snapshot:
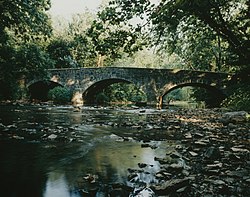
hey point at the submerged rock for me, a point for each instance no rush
(142, 192)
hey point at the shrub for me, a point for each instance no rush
(60, 95)
(239, 99)
(102, 98)
(122, 92)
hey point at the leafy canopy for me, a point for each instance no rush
(222, 25)
(26, 18)
(24, 28)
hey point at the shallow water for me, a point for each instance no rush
(33, 167)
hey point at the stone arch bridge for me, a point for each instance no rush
(156, 83)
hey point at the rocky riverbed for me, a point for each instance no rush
(212, 157)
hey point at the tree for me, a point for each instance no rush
(24, 29)
(70, 46)
(32, 60)
(83, 50)
(224, 23)
(60, 51)
(28, 19)
(112, 37)
(228, 19)
(89, 40)
(207, 35)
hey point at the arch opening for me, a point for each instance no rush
(194, 95)
(39, 90)
(112, 91)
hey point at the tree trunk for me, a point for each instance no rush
(100, 60)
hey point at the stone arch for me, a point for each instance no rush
(217, 93)
(38, 90)
(90, 93)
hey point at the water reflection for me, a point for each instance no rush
(46, 169)
(22, 170)
(57, 186)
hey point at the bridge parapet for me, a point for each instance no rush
(154, 82)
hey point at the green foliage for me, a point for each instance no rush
(112, 41)
(102, 98)
(70, 46)
(137, 96)
(90, 40)
(122, 92)
(111, 36)
(24, 28)
(227, 19)
(239, 91)
(32, 60)
(83, 51)
(28, 20)
(19, 64)
(211, 99)
(180, 94)
(60, 95)
(198, 46)
(60, 51)
(207, 35)
(239, 99)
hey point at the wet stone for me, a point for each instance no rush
(192, 153)
(201, 143)
(142, 165)
(210, 156)
(198, 135)
(52, 137)
(171, 186)
(17, 137)
(212, 153)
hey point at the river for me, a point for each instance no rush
(58, 151)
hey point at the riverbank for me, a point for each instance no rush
(211, 156)
(212, 159)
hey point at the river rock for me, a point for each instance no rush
(218, 182)
(2, 126)
(188, 135)
(170, 186)
(193, 154)
(163, 174)
(234, 117)
(17, 137)
(142, 165)
(142, 192)
(133, 177)
(175, 167)
(239, 149)
(212, 153)
(161, 160)
(52, 137)
(91, 178)
(198, 135)
(12, 126)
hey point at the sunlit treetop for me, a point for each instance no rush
(28, 17)
(228, 19)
